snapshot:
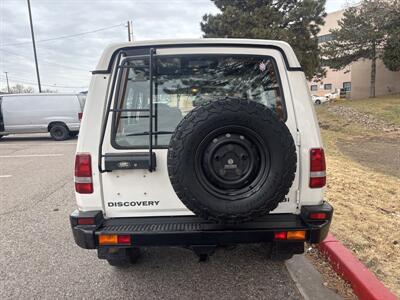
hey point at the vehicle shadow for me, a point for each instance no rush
(240, 273)
(32, 138)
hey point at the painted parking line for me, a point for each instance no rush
(36, 144)
(5, 176)
(30, 155)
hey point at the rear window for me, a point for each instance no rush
(181, 83)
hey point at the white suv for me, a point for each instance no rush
(232, 153)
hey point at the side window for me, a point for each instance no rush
(181, 83)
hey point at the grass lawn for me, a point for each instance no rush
(363, 184)
(386, 108)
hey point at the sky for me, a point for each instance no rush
(65, 61)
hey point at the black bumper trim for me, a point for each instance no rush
(84, 234)
(188, 230)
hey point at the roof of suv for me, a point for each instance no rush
(287, 52)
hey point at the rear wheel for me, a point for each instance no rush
(73, 133)
(277, 251)
(124, 261)
(59, 132)
(317, 101)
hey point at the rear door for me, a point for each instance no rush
(66, 109)
(181, 76)
(57, 108)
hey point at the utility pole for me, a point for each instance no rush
(130, 31)
(34, 46)
(8, 85)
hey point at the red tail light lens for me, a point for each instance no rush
(317, 182)
(280, 235)
(317, 168)
(318, 216)
(124, 239)
(86, 221)
(83, 174)
(80, 116)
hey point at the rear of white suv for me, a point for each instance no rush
(199, 143)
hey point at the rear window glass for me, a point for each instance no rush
(181, 83)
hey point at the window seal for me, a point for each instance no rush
(142, 50)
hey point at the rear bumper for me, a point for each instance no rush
(74, 126)
(189, 231)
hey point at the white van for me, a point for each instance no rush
(58, 114)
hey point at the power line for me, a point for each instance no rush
(47, 62)
(27, 81)
(65, 36)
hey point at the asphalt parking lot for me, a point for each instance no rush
(39, 259)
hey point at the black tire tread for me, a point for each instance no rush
(66, 132)
(133, 255)
(178, 144)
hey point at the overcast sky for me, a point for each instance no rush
(65, 63)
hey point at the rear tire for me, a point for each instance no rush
(59, 132)
(231, 160)
(318, 102)
(131, 257)
(73, 133)
(277, 251)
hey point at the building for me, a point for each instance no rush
(355, 78)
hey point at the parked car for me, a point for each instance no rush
(58, 114)
(319, 99)
(334, 95)
(243, 164)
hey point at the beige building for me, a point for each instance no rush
(354, 79)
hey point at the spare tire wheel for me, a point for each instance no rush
(231, 160)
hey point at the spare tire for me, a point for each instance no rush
(231, 160)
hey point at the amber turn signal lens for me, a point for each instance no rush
(108, 239)
(296, 235)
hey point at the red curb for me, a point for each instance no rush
(364, 283)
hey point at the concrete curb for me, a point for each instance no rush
(363, 282)
(308, 280)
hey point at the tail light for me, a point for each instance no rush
(290, 235)
(318, 216)
(86, 221)
(282, 235)
(113, 239)
(83, 173)
(80, 116)
(317, 168)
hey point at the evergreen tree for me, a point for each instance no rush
(362, 34)
(391, 53)
(296, 22)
